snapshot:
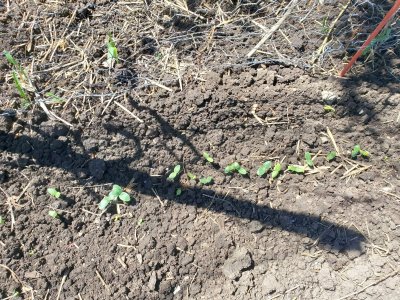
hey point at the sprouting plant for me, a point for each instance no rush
(208, 157)
(174, 173)
(53, 214)
(308, 159)
(296, 169)
(2, 221)
(53, 99)
(191, 176)
(355, 151)
(331, 156)
(178, 192)
(324, 25)
(115, 194)
(112, 54)
(206, 180)
(382, 37)
(277, 169)
(264, 168)
(328, 108)
(20, 78)
(53, 192)
(235, 167)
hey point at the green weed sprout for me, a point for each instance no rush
(53, 214)
(19, 76)
(328, 108)
(2, 221)
(275, 172)
(331, 156)
(296, 169)
(53, 192)
(206, 180)
(208, 157)
(308, 159)
(53, 99)
(264, 168)
(115, 194)
(112, 54)
(382, 37)
(174, 173)
(235, 167)
(178, 192)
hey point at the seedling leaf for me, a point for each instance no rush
(112, 50)
(331, 156)
(21, 91)
(355, 151)
(53, 214)
(191, 176)
(276, 171)
(208, 157)
(242, 171)
(178, 192)
(2, 221)
(264, 168)
(175, 173)
(177, 169)
(328, 108)
(116, 191)
(10, 59)
(296, 169)
(54, 98)
(105, 202)
(364, 153)
(53, 192)
(206, 180)
(309, 161)
(124, 197)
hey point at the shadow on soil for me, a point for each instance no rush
(118, 172)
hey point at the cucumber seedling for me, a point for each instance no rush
(112, 53)
(296, 169)
(175, 173)
(206, 180)
(115, 194)
(208, 157)
(54, 193)
(235, 167)
(264, 168)
(309, 161)
(276, 171)
(331, 156)
(53, 214)
(358, 151)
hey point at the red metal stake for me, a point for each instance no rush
(385, 20)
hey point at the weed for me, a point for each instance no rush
(53, 214)
(2, 220)
(174, 173)
(264, 168)
(191, 176)
(208, 157)
(296, 169)
(178, 192)
(382, 37)
(53, 98)
(206, 180)
(328, 108)
(112, 54)
(235, 167)
(276, 171)
(53, 192)
(115, 194)
(308, 159)
(331, 156)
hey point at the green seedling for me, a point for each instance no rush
(235, 167)
(208, 157)
(178, 192)
(355, 151)
(2, 221)
(382, 37)
(364, 153)
(275, 172)
(206, 180)
(53, 214)
(191, 176)
(112, 54)
(264, 168)
(19, 77)
(328, 108)
(115, 194)
(331, 156)
(296, 169)
(174, 173)
(53, 99)
(53, 192)
(308, 159)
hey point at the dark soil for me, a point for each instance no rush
(320, 235)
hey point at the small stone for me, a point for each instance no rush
(237, 263)
(152, 284)
(270, 285)
(255, 226)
